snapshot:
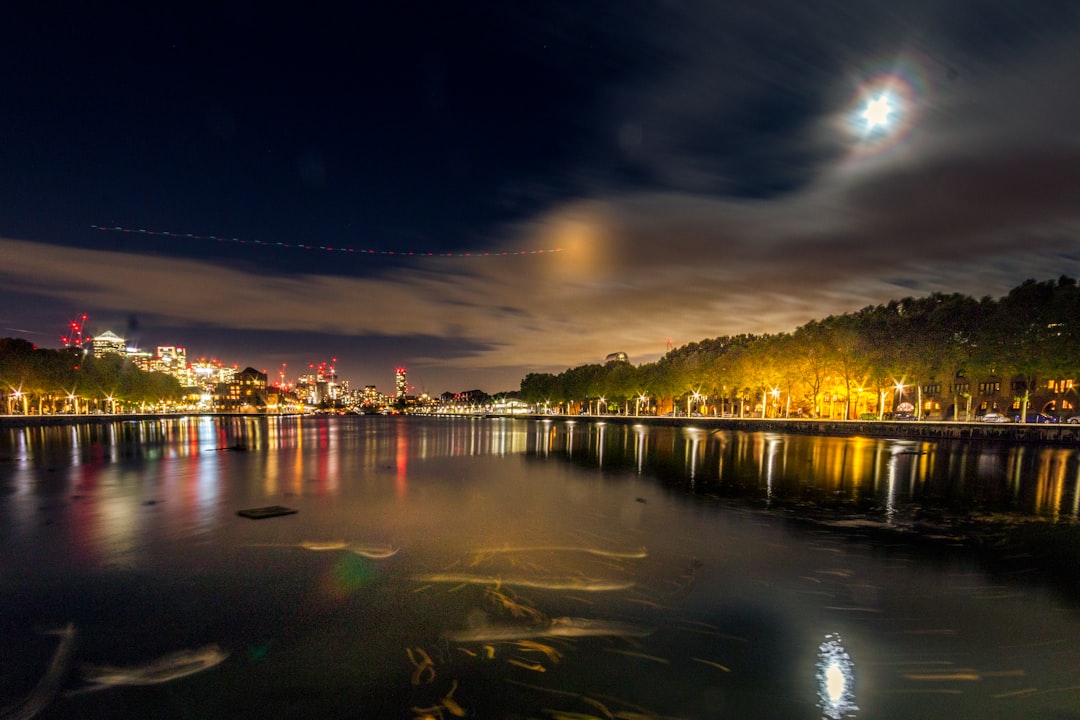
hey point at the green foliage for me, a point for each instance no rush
(55, 378)
(1030, 335)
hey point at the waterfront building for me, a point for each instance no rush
(246, 392)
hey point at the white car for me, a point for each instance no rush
(993, 417)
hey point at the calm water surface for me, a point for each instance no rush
(528, 569)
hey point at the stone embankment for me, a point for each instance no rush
(1042, 433)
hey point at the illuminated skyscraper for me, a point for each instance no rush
(401, 383)
(108, 343)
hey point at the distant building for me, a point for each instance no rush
(246, 392)
(401, 384)
(109, 343)
(616, 357)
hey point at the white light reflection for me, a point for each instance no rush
(692, 452)
(836, 680)
(601, 428)
(772, 446)
(639, 447)
(890, 484)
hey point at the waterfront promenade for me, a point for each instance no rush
(1045, 433)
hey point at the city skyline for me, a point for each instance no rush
(344, 182)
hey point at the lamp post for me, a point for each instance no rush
(696, 397)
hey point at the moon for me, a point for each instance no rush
(878, 112)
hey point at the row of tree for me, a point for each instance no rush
(941, 353)
(66, 380)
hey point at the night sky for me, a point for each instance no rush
(704, 168)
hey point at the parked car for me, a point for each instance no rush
(1036, 418)
(904, 416)
(1074, 419)
(993, 417)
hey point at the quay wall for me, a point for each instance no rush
(1041, 433)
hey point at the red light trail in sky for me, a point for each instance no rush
(325, 248)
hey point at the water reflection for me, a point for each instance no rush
(836, 680)
(894, 480)
(519, 568)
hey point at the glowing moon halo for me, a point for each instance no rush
(883, 112)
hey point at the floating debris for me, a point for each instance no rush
(376, 552)
(558, 627)
(49, 685)
(633, 555)
(165, 669)
(567, 583)
(269, 511)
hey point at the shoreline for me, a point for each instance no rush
(1061, 434)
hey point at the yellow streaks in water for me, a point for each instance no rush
(725, 668)
(423, 668)
(564, 583)
(630, 555)
(944, 677)
(446, 703)
(533, 646)
(508, 601)
(321, 545)
(375, 552)
(1015, 693)
(535, 667)
(630, 653)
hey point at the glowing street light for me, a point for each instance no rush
(695, 398)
